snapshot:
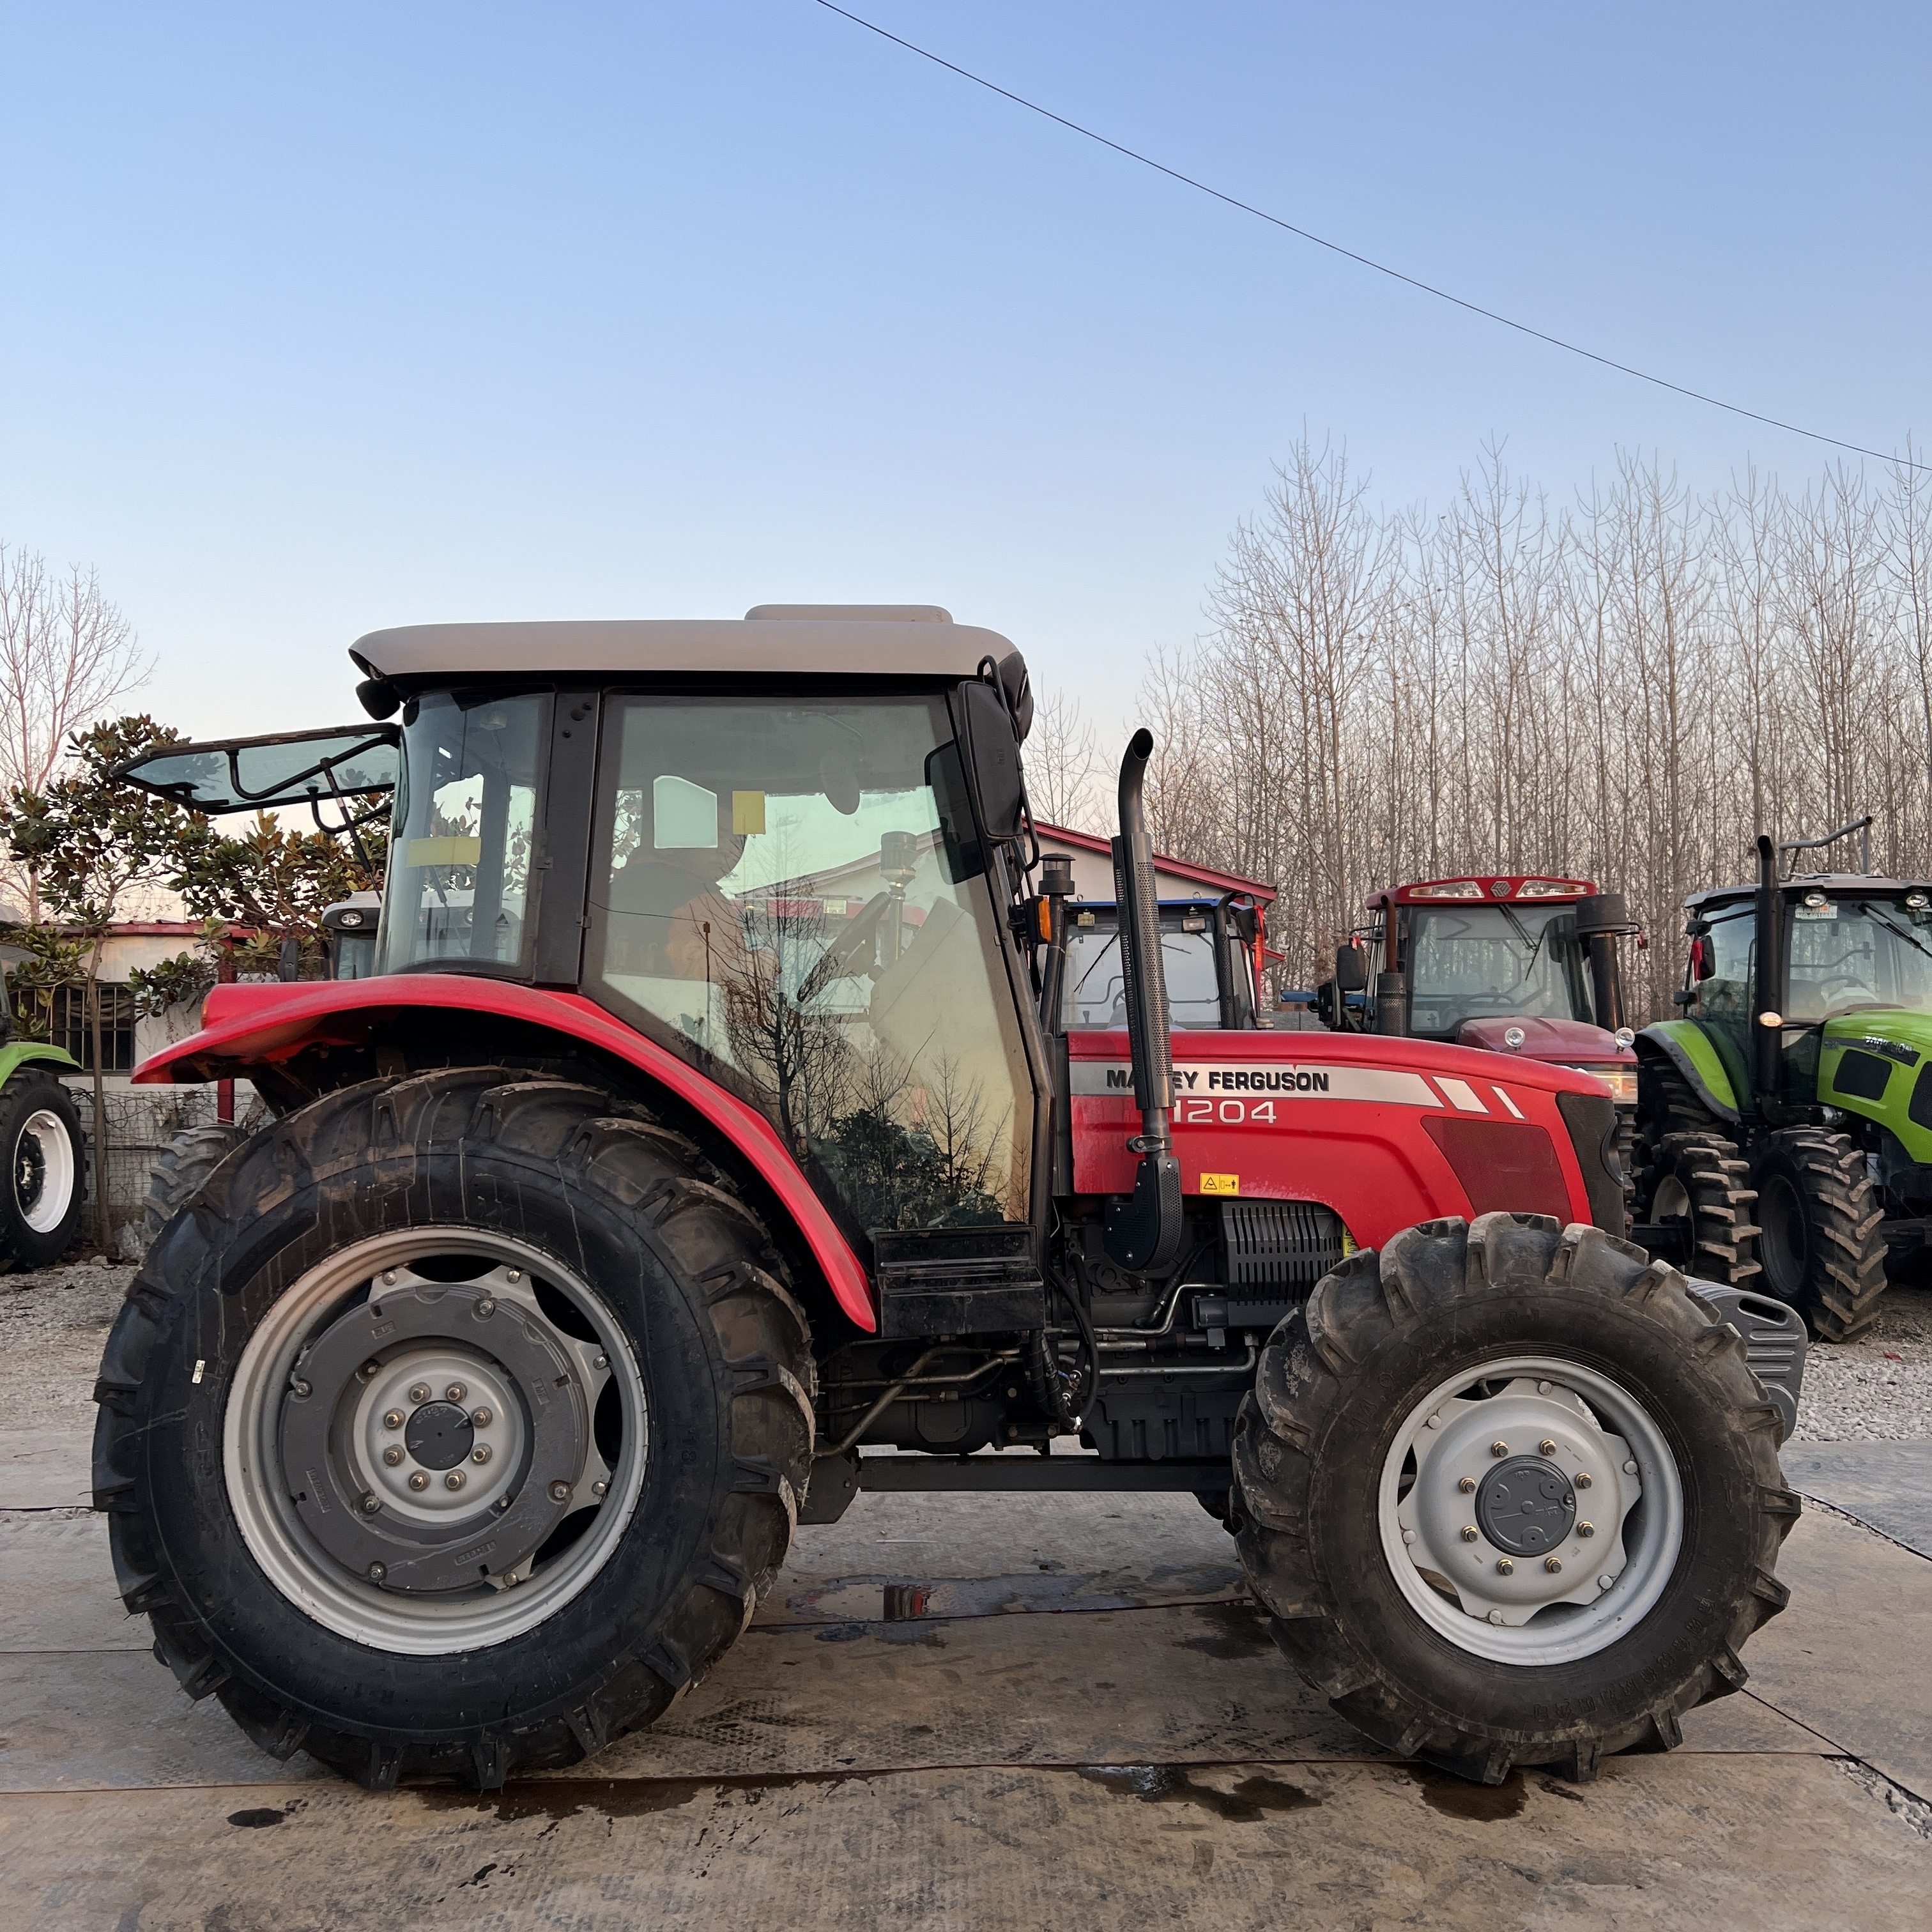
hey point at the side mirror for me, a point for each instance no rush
(1351, 970)
(992, 761)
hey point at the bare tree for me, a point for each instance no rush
(66, 655)
(1062, 765)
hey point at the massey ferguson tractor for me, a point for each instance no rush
(708, 1122)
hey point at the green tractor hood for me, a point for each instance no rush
(1879, 1063)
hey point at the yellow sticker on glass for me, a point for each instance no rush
(443, 852)
(747, 813)
(1220, 1183)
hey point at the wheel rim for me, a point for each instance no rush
(1672, 1201)
(1530, 1587)
(1783, 1244)
(43, 1170)
(435, 1440)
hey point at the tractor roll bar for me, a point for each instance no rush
(1144, 1229)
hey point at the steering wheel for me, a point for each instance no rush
(841, 958)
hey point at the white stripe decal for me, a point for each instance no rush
(1502, 1094)
(1463, 1094)
(1265, 1080)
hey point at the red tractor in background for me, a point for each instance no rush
(707, 1144)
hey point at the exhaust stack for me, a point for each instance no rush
(1144, 1229)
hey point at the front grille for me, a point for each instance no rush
(1270, 1245)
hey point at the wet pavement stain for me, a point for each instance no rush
(1249, 1801)
(258, 1817)
(1232, 1632)
(1475, 1804)
(560, 1798)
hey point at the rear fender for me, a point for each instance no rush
(1691, 1049)
(260, 1031)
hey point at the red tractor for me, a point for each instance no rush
(708, 1120)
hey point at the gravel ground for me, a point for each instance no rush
(1879, 1388)
(53, 1324)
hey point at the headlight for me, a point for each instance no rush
(1622, 1080)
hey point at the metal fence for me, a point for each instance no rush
(139, 1125)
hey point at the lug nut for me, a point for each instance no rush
(502, 1502)
(368, 1368)
(420, 1393)
(1630, 1467)
(1504, 1567)
(1545, 1447)
(600, 1362)
(1543, 1388)
(1586, 1529)
(560, 1492)
(301, 1387)
(377, 1571)
(1468, 1532)
(418, 1481)
(486, 1308)
(1499, 1448)
(483, 1418)
(394, 1419)
(1467, 1486)
(393, 1454)
(480, 1453)
(370, 1504)
(1552, 1563)
(599, 1488)
(1434, 1422)
(454, 1481)
(513, 1274)
(1495, 1616)
(1584, 1481)
(1604, 1582)
(389, 1277)
(456, 1391)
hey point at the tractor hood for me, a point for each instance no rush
(1875, 1062)
(1567, 1042)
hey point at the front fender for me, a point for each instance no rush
(1689, 1048)
(19, 1053)
(262, 1025)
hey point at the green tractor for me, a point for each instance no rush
(1797, 1088)
(45, 1188)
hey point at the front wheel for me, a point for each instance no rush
(45, 1190)
(456, 1430)
(1511, 1495)
(1822, 1243)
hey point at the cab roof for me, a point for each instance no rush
(820, 640)
(1840, 882)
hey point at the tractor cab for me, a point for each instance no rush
(1512, 964)
(1209, 947)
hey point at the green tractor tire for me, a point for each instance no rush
(1822, 1241)
(45, 1188)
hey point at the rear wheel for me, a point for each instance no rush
(514, 1411)
(46, 1169)
(1823, 1243)
(1512, 1496)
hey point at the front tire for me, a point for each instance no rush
(1822, 1230)
(45, 1188)
(1699, 1184)
(1413, 1469)
(456, 1430)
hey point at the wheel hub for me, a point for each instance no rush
(1526, 1506)
(441, 1433)
(1506, 1499)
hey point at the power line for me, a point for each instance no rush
(1366, 261)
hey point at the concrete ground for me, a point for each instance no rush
(1088, 1725)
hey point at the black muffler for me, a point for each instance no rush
(1143, 1228)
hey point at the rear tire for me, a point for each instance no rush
(1822, 1243)
(1491, 1669)
(454, 1198)
(46, 1186)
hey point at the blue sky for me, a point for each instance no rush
(315, 319)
